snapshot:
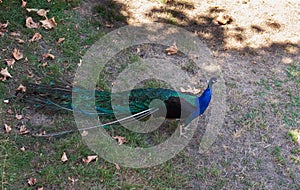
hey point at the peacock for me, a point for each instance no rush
(178, 105)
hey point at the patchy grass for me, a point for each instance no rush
(42, 157)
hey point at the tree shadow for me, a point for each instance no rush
(215, 35)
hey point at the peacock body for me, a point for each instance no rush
(178, 105)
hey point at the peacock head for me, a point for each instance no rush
(211, 81)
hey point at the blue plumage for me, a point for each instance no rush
(202, 102)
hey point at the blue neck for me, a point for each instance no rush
(201, 104)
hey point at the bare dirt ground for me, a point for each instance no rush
(254, 51)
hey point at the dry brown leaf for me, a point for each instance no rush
(43, 13)
(23, 4)
(60, 40)
(23, 148)
(5, 74)
(172, 49)
(72, 180)
(40, 188)
(117, 166)
(20, 41)
(21, 88)
(7, 128)
(30, 23)
(84, 133)
(18, 117)
(121, 140)
(31, 181)
(64, 157)
(189, 89)
(89, 159)
(36, 37)
(15, 34)
(30, 74)
(17, 54)
(109, 25)
(9, 111)
(48, 55)
(0, 1)
(222, 19)
(44, 64)
(48, 23)
(23, 130)
(10, 62)
(3, 26)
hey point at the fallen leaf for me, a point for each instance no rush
(5, 74)
(10, 62)
(21, 88)
(20, 41)
(60, 40)
(121, 140)
(17, 54)
(172, 49)
(6, 101)
(40, 188)
(3, 26)
(48, 23)
(89, 159)
(23, 148)
(36, 37)
(30, 74)
(9, 111)
(31, 181)
(30, 23)
(109, 25)
(7, 128)
(72, 180)
(44, 64)
(18, 117)
(287, 60)
(222, 19)
(48, 55)
(117, 166)
(84, 133)
(190, 90)
(64, 157)
(23, 130)
(43, 13)
(15, 34)
(23, 4)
